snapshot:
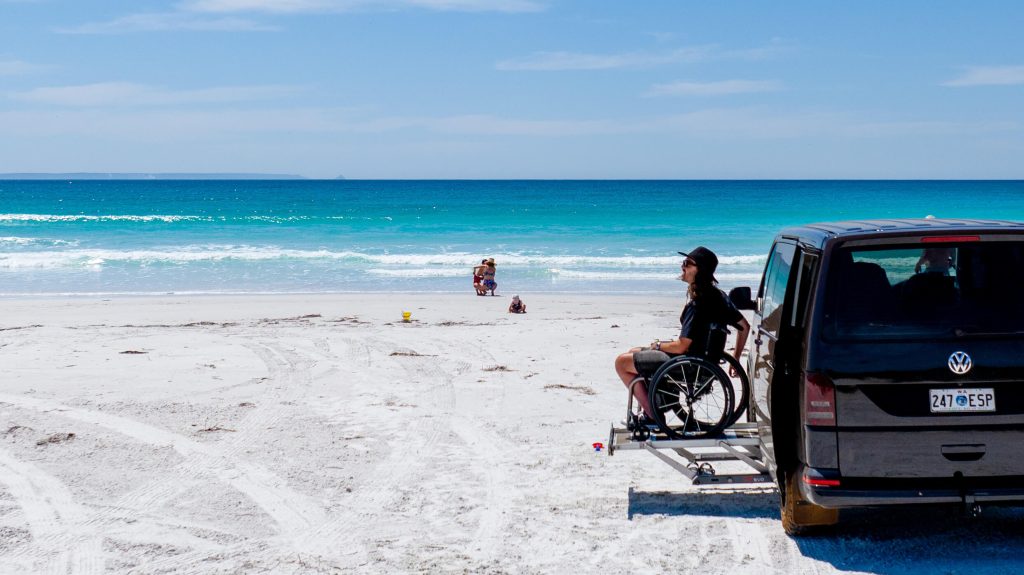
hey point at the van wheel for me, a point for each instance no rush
(800, 516)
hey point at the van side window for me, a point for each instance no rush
(805, 278)
(776, 280)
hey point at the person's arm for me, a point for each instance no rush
(741, 339)
(675, 347)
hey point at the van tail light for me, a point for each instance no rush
(819, 400)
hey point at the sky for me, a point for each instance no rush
(509, 89)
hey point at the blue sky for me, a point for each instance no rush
(514, 88)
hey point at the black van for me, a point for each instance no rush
(887, 366)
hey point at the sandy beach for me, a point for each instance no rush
(321, 434)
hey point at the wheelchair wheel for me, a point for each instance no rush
(691, 398)
(740, 386)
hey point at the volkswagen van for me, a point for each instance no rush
(887, 366)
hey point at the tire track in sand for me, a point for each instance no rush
(377, 488)
(288, 373)
(157, 493)
(292, 511)
(486, 449)
(56, 521)
(298, 545)
(342, 537)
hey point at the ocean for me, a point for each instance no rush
(321, 236)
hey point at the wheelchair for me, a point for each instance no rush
(693, 396)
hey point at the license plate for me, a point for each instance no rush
(962, 400)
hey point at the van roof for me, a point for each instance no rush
(819, 233)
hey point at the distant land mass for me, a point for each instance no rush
(145, 176)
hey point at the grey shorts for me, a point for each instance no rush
(648, 361)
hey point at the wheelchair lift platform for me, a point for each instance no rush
(736, 443)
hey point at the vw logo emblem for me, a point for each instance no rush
(960, 363)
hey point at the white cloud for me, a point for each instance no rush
(478, 5)
(129, 94)
(551, 61)
(211, 15)
(17, 67)
(725, 87)
(775, 48)
(321, 6)
(989, 76)
(271, 6)
(160, 22)
(662, 37)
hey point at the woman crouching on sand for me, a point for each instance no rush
(707, 306)
(489, 272)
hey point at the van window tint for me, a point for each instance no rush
(942, 290)
(805, 278)
(775, 287)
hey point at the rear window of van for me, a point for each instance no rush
(954, 290)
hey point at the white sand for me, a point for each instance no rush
(320, 434)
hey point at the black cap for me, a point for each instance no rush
(705, 260)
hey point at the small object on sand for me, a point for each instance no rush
(498, 368)
(56, 438)
(598, 446)
(406, 316)
(215, 428)
(133, 352)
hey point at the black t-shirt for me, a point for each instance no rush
(698, 316)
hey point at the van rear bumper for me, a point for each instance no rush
(875, 492)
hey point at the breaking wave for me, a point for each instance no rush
(28, 242)
(442, 264)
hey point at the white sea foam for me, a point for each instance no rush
(420, 272)
(438, 265)
(635, 275)
(557, 261)
(171, 218)
(19, 241)
(101, 218)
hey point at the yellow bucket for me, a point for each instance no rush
(406, 316)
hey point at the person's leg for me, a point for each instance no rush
(626, 370)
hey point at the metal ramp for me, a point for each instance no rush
(695, 456)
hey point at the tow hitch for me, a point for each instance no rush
(971, 507)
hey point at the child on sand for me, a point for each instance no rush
(478, 278)
(517, 305)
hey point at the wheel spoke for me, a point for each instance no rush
(681, 387)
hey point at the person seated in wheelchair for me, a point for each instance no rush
(707, 309)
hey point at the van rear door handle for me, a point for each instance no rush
(966, 452)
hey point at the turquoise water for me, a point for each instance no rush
(109, 236)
